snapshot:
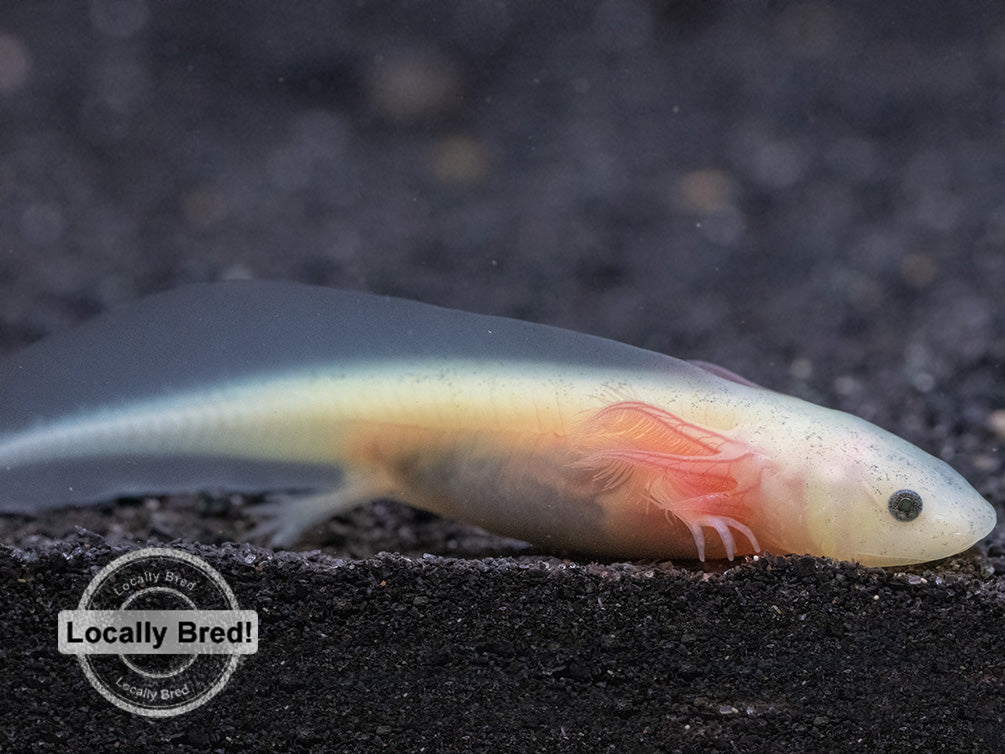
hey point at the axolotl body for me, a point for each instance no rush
(570, 441)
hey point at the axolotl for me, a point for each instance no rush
(573, 442)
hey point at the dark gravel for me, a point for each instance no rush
(808, 193)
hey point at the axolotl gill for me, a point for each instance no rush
(573, 442)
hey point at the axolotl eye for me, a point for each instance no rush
(905, 505)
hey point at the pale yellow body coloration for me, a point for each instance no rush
(572, 442)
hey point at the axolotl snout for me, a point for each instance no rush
(567, 440)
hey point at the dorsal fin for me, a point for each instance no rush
(726, 374)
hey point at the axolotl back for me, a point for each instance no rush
(573, 442)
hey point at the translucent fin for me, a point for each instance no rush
(286, 517)
(696, 475)
(726, 374)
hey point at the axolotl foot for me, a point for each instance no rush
(284, 518)
(722, 524)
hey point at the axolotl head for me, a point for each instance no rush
(872, 497)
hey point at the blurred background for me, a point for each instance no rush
(810, 193)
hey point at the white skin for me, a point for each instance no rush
(838, 492)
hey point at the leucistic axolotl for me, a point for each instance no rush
(576, 443)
